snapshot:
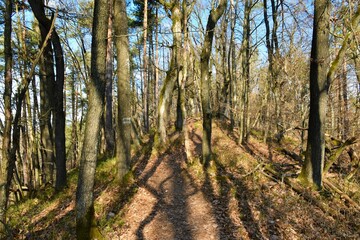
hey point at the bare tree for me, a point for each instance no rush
(124, 93)
(6, 158)
(214, 16)
(96, 96)
(319, 86)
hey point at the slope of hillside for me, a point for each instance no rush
(243, 194)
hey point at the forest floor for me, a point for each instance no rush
(172, 196)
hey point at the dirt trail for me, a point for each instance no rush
(233, 199)
(168, 205)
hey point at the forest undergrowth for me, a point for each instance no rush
(247, 192)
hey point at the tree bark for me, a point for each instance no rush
(214, 16)
(46, 108)
(145, 70)
(109, 130)
(74, 127)
(171, 75)
(182, 71)
(312, 169)
(156, 83)
(6, 137)
(96, 95)
(124, 92)
(37, 7)
(320, 79)
(245, 64)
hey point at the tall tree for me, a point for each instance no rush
(6, 141)
(245, 65)
(145, 69)
(108, 123)
(179, 12)
(320, 78)
(96, 95)
(311, 172)
(47, 81)
(38, 9)
(214, 16)
(124, 93)
(172, 74)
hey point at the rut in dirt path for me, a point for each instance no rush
(168, 204)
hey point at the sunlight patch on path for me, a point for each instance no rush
(168, 206)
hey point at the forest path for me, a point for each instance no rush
(234, 198)
(171, 199)
(168, 204)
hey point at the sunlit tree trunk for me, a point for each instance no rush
(156, 83)
(232, 66)
(171, 75)
(214, 16)
(320, 78)
(145, 69)
(36, 144)
(225, 89)
(74, 124)
(96, 97)
(245, 64)
(314, 160)
(182, 71)
(124, 93)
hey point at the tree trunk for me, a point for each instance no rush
(109, 130)
(36, 145)
(182, 73)
(145, 69)
(357, 67)
(245, 64)
(124, 93)
(6, 137)
(224, 95)
(171, 76)
(74, 112)
(47, 82)
(311, 172)
(320, 79)
(37, 7)
(96, 94)
(214, 16)
(345, 107)
(60, 148)
(156, 83)
(232, 67)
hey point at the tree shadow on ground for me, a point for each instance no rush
(58, 222)
(220, 202)
(139, 162)
(171, 197)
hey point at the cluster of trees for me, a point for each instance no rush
(246, 62)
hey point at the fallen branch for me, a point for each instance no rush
(291, 154)
(302, 192)
(338, 151)
(343, 195)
